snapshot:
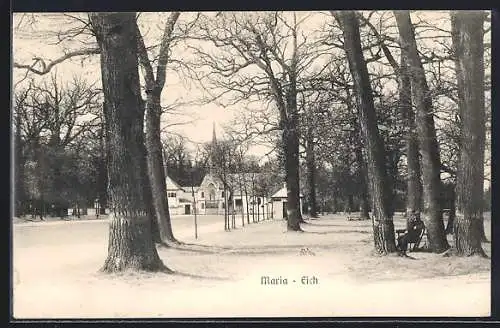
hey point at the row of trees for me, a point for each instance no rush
(377, 111)
(468, 54)
(299, 82)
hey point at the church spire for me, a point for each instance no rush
(213, 150)
(214, 136)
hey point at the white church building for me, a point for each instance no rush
(243, 196)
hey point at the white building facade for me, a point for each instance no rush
(210, 197)
(279, 201)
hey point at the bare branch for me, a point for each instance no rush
(46, 67)
(165, 48)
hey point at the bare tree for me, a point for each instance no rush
(311, 116)
(130, 238)
(154, 87)
(271, 47)
(468, 41)
(222, 155)
(432, 212)
(414, 184)
(383, 226)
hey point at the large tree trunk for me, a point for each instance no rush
(470, 176)
(432, 212)
(291, 145)
(290, 117)
(364, 206)
(131, 243)
(383, 226)
(156, 170)
(311, 177)
(392, 172)
(413, 180)
(455, 33)
(155, 163)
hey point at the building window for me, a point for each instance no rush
(222, 194)
(202, 194)
(211, 191)
(202, 206)
(171, 194)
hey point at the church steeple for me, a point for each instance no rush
(213, 149)
(214, 136)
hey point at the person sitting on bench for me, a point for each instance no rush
(415, 227)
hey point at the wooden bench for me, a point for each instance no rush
(413, 243)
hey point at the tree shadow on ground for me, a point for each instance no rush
(337, 231)
(184, 244)
(254, 250)
(275, 249)
(326, 225)
(197, 276)
(195, 248)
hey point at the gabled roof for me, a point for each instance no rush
(282, 193)
(172, 185)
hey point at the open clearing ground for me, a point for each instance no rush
(56, 274)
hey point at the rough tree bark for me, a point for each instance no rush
(286, 101)
(469, 49)
(383, 226)
(291, 147)
(455, 34)
(130, 238)
(156, 172)
(413, 182)
(364, 206)
(155, 162)
(432, 212)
